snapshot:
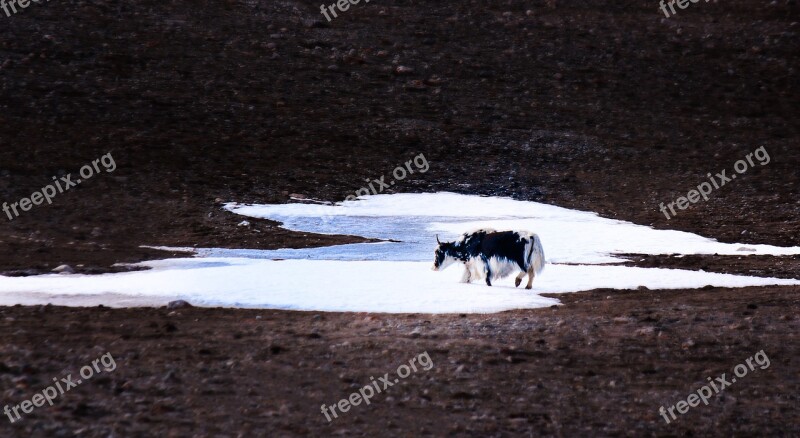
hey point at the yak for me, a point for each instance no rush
(491, 254)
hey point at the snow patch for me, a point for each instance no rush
(395, 275)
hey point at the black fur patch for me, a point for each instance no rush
(484, 245)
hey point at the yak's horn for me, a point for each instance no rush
(437, 239)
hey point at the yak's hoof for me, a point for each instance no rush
(528, 287)
(517, 282)
(488, 283)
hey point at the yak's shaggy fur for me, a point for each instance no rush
(491, 254)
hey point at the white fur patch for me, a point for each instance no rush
(534, 253)
(475, 268)
(447, 262)
(502, 267)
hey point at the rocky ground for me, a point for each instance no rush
(600, 365)
(601, 106)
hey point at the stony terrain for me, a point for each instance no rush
(602, 106)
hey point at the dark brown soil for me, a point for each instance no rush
(599, 106)
(602, 106)
(759, 266)
(601, 365)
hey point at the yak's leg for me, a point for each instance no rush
(488, 269)
(531, 275)
(467, 277)
(519, 279)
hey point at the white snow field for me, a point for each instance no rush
(395, 275)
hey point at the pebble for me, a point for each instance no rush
(64, 269)
(178, 304)
(645, 331)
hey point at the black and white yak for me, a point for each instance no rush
(491, 254)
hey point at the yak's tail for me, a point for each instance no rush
(535, 253)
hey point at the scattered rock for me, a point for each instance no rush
(433, 80)
(178, 304)
(64, 269)
(645, 331)
(22, 273)
(171, 377)
(416, 84)
(309, 23)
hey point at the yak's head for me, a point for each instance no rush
(444, 255)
